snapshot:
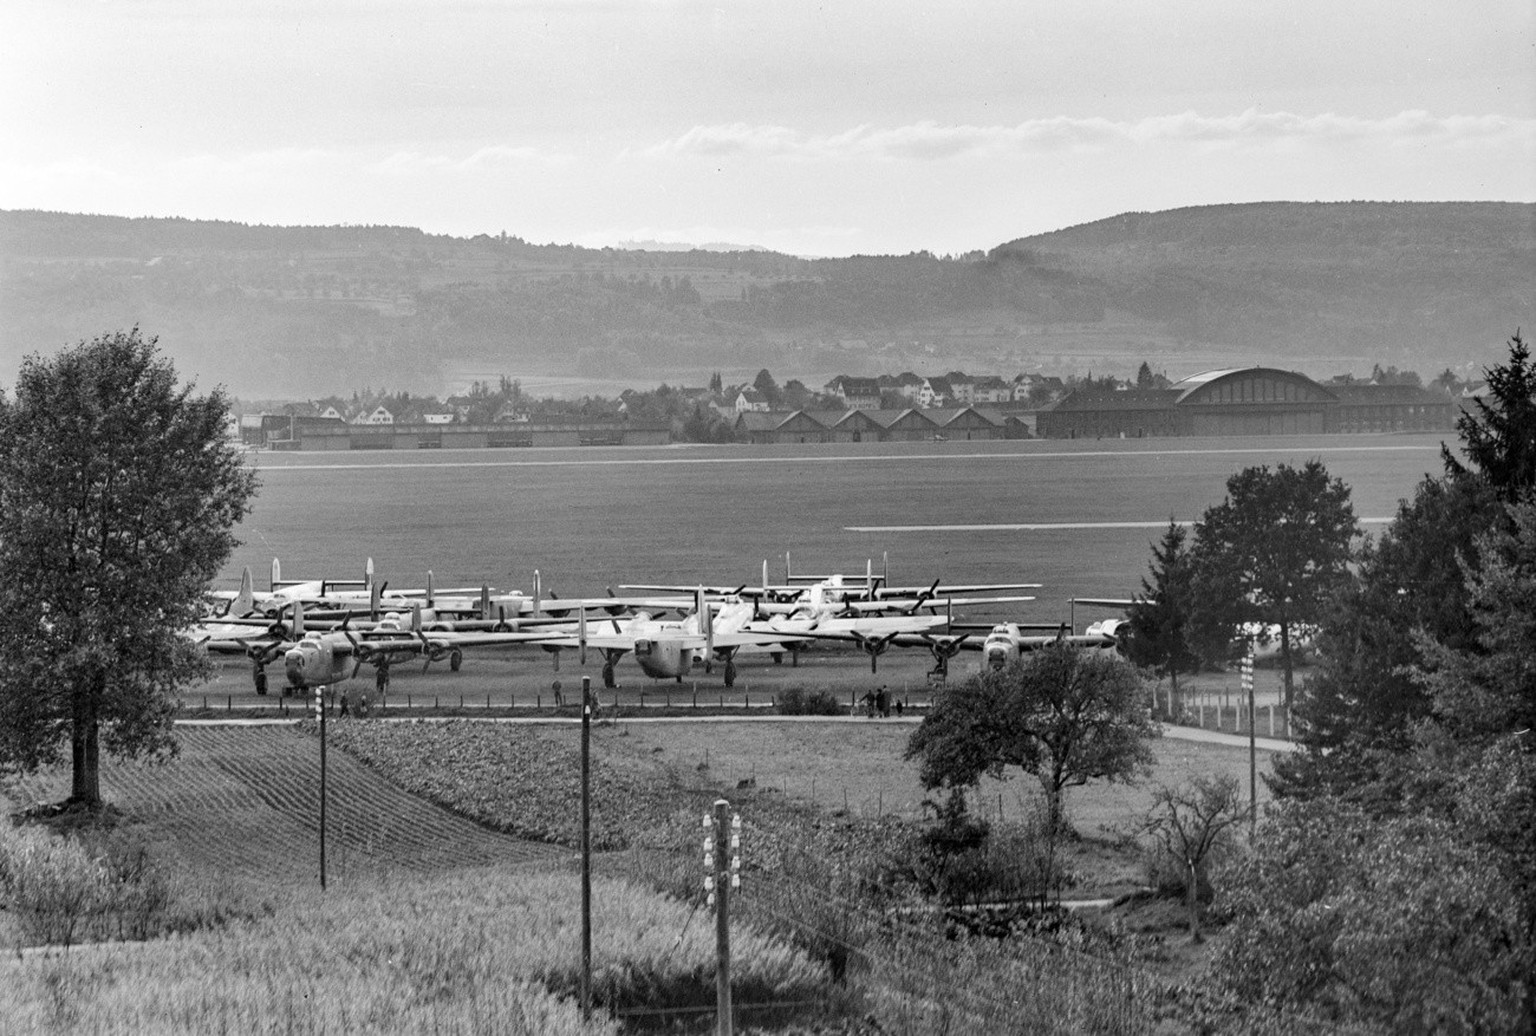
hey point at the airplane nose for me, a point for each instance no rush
(295, 662)
(996, 659)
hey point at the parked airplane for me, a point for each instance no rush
(867, 588)
(672, 648)
(1262, 640)
(316, 658)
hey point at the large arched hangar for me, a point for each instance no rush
(1252, 401)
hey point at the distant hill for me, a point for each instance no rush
(1427, 282)
(307, 311)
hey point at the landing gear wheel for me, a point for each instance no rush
(608, 680)
(730, 674)
(259, 675)
(455, 660)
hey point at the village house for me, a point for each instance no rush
(855, 393)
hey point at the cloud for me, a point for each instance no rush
(932, 141)
(487, 159)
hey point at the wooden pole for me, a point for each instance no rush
(320, 708)
(723, 850)
(586, 848)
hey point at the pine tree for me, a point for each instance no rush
(1499, 435)
(1162, 616)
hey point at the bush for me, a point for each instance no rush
(53, 884)
(797, 701)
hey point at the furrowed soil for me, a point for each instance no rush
(243, 802)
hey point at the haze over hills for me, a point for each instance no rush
(301, 312)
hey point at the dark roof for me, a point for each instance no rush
(1108, 399)
(1383, 394)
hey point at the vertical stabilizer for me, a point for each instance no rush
(368, 573)
(374, 593)
(245, 601)
(276, 576)
(430, 598)
(581, 634)
(485, 601)
(706, 623)
(538, 590)
(298, 620)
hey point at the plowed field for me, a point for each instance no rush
(245, 801)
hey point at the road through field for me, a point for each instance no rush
(1077, 516)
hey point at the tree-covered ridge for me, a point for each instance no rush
(1354, 272)
(1414, 284)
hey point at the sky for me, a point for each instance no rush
(831, 128)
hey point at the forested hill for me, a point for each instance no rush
(305, 311)
(1425, 279)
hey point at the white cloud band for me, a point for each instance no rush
(930, 140)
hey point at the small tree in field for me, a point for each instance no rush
(118, 494)
(1189, 822)
(1063, 714)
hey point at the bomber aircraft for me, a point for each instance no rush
(316, 658)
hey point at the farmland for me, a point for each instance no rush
(239, 806)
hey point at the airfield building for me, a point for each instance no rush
(1245, 401)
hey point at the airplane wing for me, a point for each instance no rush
(850, 628)
(954, 588)
(903, 604)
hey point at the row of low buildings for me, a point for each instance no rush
(1227, 402)
(315, 432)
(913, 424)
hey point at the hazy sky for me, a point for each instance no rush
(813, 128)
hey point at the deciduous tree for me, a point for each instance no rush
(1064, 715)
(118, 496)
(1189, 822)
(1275, 551)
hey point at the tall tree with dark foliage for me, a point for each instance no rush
(1274, 552)
(118, 496)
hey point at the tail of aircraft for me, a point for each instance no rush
(276, 577)
(245, 601)
(706, 624)
(537, 592)
(581, 633)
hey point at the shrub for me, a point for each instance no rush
(797, 701)
(53, 884)
(822, 703)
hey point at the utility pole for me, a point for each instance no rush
(586, 848)
(722, 862)
(320, 714)
(1253, 765)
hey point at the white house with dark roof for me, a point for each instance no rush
(856, 393)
